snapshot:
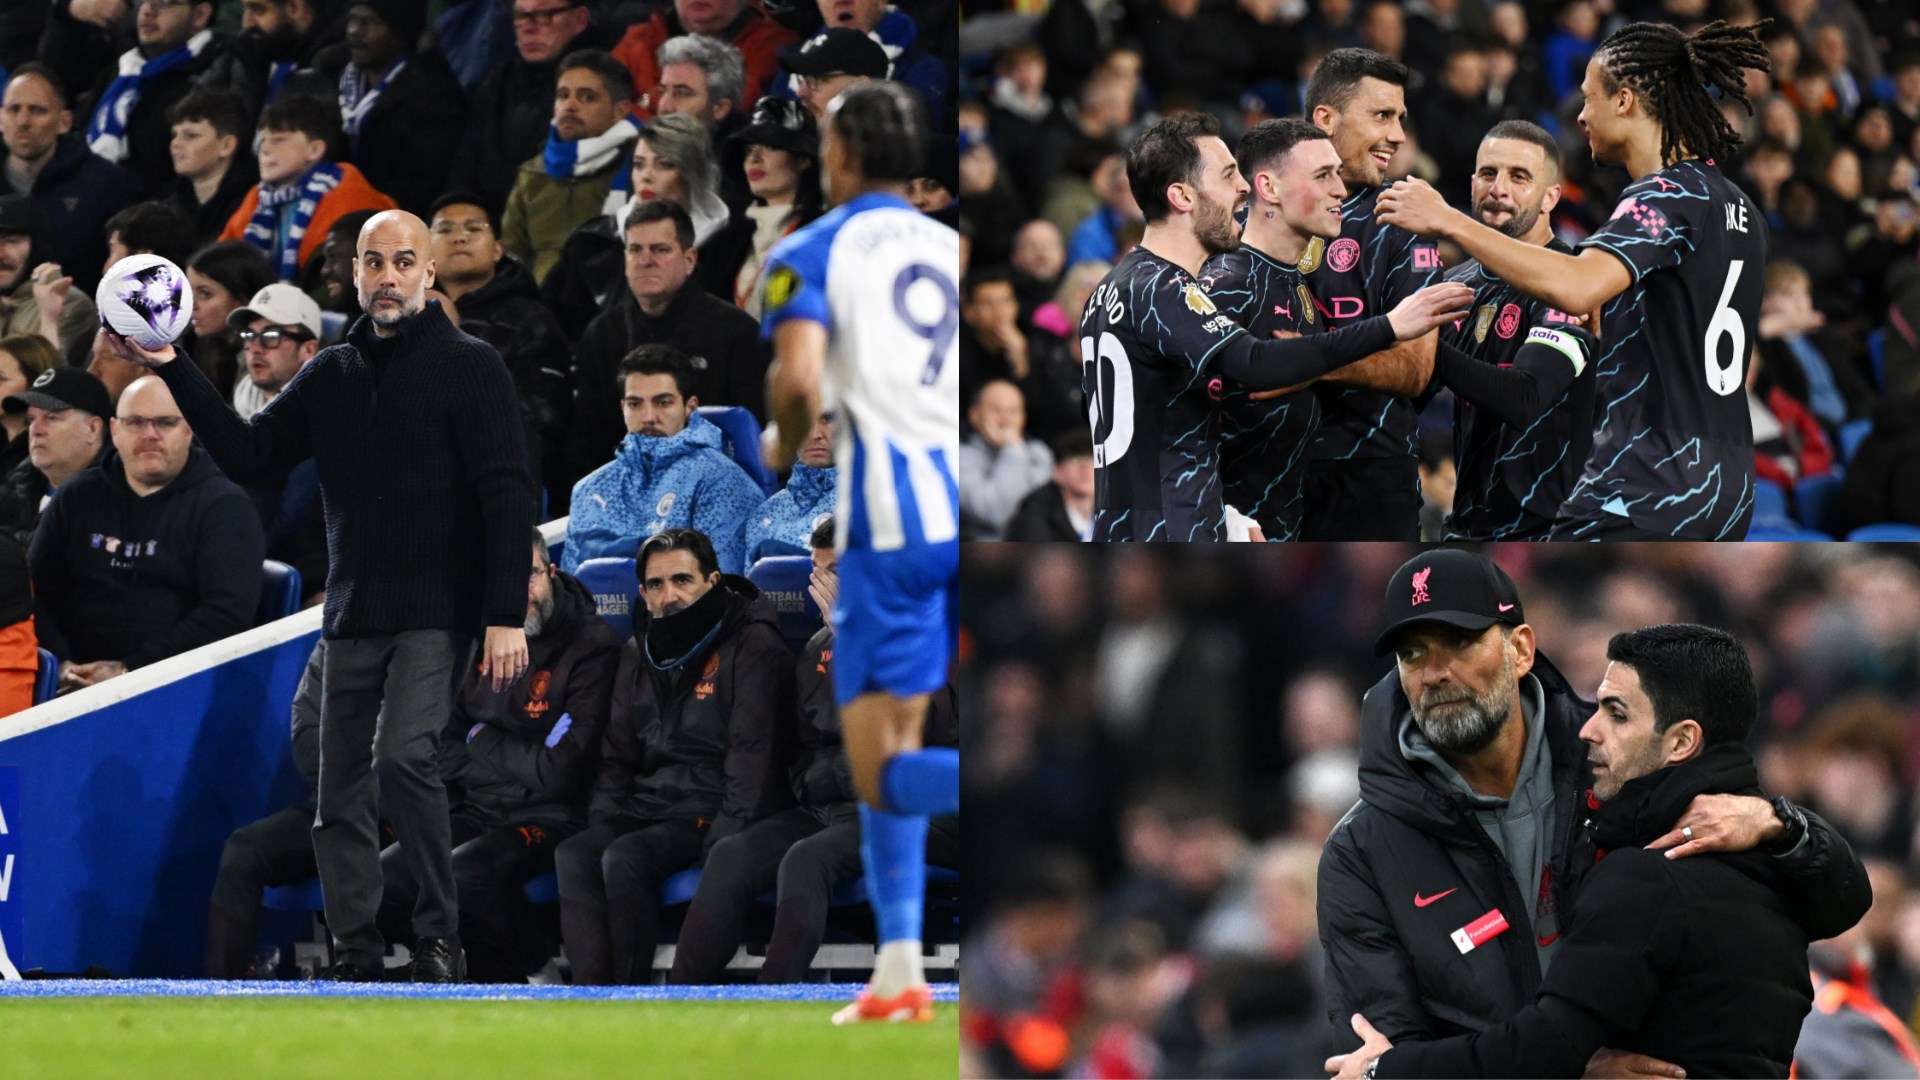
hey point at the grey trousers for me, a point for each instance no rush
(386, 699)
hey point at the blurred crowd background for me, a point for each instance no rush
(1052, 90)
(1156, 745)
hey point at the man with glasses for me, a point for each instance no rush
(150, 554)
(830, 62)
(279, 332)
(508, 116)
(897, 33)
(174, 43)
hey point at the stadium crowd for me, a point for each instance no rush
(1051, 94)
(601, 184)
(1157, 746)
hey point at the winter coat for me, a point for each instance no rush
(210, 218)
(527, 754)
(408, 139)
(149, 131)
(758, 38)
(1700, 961)
(660, 482)
(912, 65)
(1879, 483)
(1393, 959)
(352, 193)
(507, 313)
(787, 518)
(77, 191)
(703, 740)
(20, 310)
(21, 491)
(543, 211)
(118, 576)
(727, 341)
(508, 116)
(821, 778)
(590, 275)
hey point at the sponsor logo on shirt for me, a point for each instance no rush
(1482, 322)
(1197, 300)
(1310, 258)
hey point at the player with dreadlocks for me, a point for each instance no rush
(1675, 275)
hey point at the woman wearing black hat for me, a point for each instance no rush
(782, 166)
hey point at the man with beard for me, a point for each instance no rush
(1442, 894)
(275, 54)
(1520, 371)
(413, 427)
(1157, 351)
(1702, 961)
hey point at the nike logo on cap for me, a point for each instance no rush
(1506, 607)
(1423, 901)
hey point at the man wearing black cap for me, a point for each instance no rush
(831, 61)
(1441, 894)
(67, 411)
(34, 294)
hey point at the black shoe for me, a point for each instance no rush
(346, 970)
(439, 960)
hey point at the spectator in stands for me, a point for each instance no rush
(782, 170)
(511, 107)
(147, 556)
(695, 750)
(300, 194)
(831, 61)
(1039, 255)
(473, 39)
(1789, 346)
(114, 371)
(909, 60)
(1044, 366)
(578, 177)
(66, 412)
(936, 193)
(129, 125)
(735, 22)
(75, 189)
(338, 294)
(999, 465)
(661, 306)
(149, 228)
(700, 76)
(499, 304)
(1098, 237)
(211, 174)
(275, 850)
(22, 358)
(278, 51)
(783, 523)
(523, 758)
(670, 472)
(224, 276)
(35, 297)
(401, 109)
(278, 331)
(1061, 510)
(1879, 483)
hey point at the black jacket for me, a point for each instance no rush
(532, 761)
(1879, 484)
(1395, 961)
(725, 338)
(77, 191)
(1042, 516)
(149, 132)
(1699, 961)
(20, 493)
(120, 577)
(703, 740)
(507, 122)
(210, 218)
(591, 274)
(423, 475)
(507, 314)
(821, 777)
(408, 140)
(246, 68)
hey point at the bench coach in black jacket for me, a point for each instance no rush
(1699, 961)
(693, 752)
(1413, 862)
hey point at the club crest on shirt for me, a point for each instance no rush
(1306, 302)
(665, 504)
(781, 285)
(1344, 254)
(1481, 321)
(1509, 321)
(1197, 300)
(1310, 258)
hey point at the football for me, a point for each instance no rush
(145, 299)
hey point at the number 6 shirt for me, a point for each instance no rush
(1672, 441)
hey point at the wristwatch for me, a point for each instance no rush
(1795, 822)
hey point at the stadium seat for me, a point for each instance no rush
(1782, 529)
(300, 896)
(615, 591)
(544, 889)
(742, 433)
(1886, 533)
(1769, 501)
(1814, 496)
(783, 580)
(679, 888)
(46, 682)
(1852, 434)
(279, 592)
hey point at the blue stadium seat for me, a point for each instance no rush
(614, 589)
(1814, 496)
(300, 896)
(783, 580)
(1885, 533)
(679, 888)
(544, 889)
(279, 592)
(742, 433)
(1782, 529)
(1769, 501)
(46, 682)
(1852, 434)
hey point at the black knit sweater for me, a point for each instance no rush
(422, 469)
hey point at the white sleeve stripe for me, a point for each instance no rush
(1566, 344)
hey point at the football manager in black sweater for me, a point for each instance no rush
(1699, 961)
(415, 430)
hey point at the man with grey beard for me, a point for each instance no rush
(1441, 893)
(1519, 370)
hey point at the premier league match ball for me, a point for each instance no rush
(145, 299)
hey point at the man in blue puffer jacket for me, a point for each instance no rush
(784, 522)
(669, 472)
